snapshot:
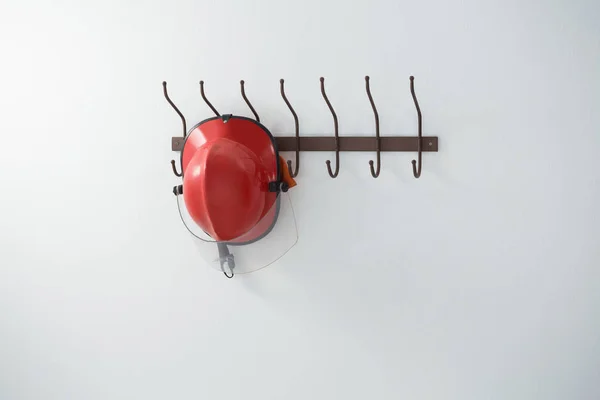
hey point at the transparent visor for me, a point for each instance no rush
(270, 239)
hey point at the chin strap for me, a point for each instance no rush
(226, 257)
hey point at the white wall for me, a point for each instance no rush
(478, 281)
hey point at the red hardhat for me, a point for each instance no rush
(231, 178)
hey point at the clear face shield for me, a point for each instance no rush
(271, 237)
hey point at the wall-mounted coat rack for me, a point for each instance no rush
(234, 179)
(337, 143)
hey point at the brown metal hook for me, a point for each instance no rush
(175, 169)
(248, 101)
(206, 100)
(166, 94)
(289, 163)
(417, 171)
(337, 138)
(374, 173)
(174, 108)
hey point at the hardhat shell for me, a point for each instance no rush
(228, 163)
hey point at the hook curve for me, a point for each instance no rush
(166, 94)
(248, 101)
(417, 171)
(337, 138)
(208, 103)
(374, 172)
(289, 163)
(175, 169)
